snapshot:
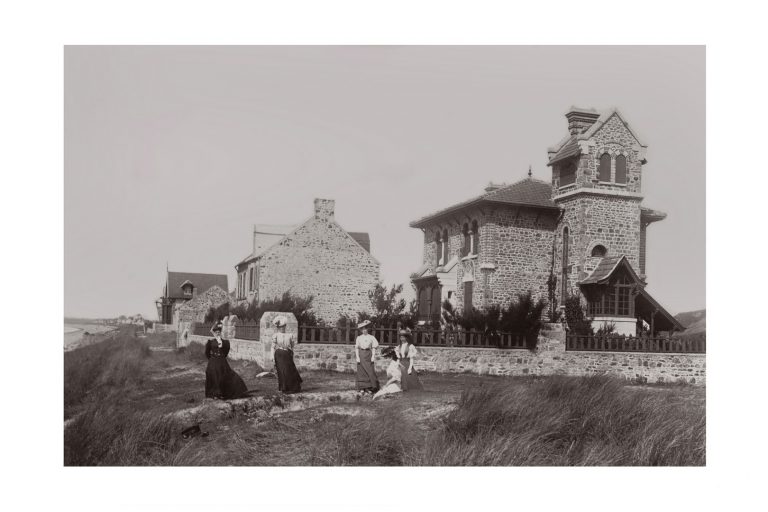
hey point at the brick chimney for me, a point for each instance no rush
(580, 119)
(324, 209)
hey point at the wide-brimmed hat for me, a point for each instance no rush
(364, 323)
(280, 321)
(406, 333)
(217, 327)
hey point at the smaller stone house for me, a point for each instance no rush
(316, 258)
(182, 287)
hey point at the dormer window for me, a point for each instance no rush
(187, 288)
(604, 170)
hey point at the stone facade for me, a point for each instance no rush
(318, 258)
(550, 358)
(195, 309)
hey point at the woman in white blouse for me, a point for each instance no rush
(406, 352)
(288, 378)
(394, 374)
(365, 354)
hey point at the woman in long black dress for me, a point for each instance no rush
(221, 381)
(288, 378)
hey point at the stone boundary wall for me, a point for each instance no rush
(549, 359)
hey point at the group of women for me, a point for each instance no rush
(222, 382)
(401, 376)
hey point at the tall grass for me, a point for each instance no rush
(98, 368)
(109, 434)
(568, 421)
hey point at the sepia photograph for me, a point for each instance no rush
(391, 255)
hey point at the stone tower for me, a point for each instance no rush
(596, 179)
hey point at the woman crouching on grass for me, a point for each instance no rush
(394, 374)
(288, 378)
(365, 354)
(221, 381)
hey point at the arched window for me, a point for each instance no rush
(438, 249)
(604, 172)
(599, 251)
(621, 169)
(564, 281)
(445, 247)
(467, 240)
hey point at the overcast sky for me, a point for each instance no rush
(173, 153)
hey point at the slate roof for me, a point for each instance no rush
(570, 149)
(526, 192)
(201, 282)
(651, 215)
(606, 267)
(363, 239)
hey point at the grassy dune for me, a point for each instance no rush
(118, 395)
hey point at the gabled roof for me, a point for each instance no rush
(606, 267)
(201, 282)
(266, 236)
(528, 192)
(570, 147)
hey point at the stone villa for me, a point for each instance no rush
(317, 257)
(587, 227)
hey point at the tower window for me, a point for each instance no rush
(604, 171)
(621, 169)
(564, 282)
(438, 249)
(599, 251)
(567, 174)
(475, 238)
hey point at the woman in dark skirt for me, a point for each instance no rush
(365, 354)
(406, 351)
(288, 378)
(221, 381)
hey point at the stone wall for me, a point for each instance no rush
(550, 358)
(320, 259)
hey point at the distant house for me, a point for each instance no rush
(316, 258)
(182, 287)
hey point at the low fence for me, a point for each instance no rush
(634, 344)
(421, 337)
(244, 330)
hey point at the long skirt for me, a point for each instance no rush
(366, 373)
(409, 382)
(221, 381)
(288, 378)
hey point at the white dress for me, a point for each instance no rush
(393, 372)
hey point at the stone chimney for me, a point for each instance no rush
(324, 209)
(580, 119)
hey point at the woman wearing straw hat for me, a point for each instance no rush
(365, 354)
(288, 378)
(406, 351)
(221, 381)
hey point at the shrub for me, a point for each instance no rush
(387, 309)
(301, 307)
(575, 317)
(523, 316)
